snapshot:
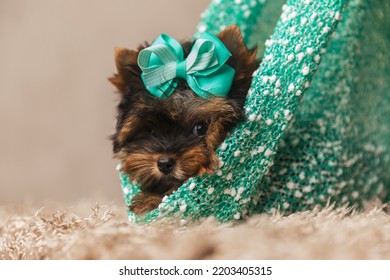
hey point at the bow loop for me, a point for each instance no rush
(201, 57)
(204, 69)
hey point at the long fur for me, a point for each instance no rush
(149, 128)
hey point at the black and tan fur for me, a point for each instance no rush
(184, 128)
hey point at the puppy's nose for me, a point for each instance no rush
(165, 164)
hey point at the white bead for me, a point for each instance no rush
(290, 185)
(300, 56)
(260, 149)
(305, 70)
(223, 146)
(229, 176)
(290, 57)
(291, 87)
(210, 190)
(202, 28)
(283, 171)
(252, 117)
(268, 42)
(298, 194)
(192, 186)
(219, 173)
(268, 121)
(237, 216)
(183, 208)
(244, 7)
(242, 160)
(268, 152)
(237, 153)
(293, 15)
(310, 51)
(326, 29)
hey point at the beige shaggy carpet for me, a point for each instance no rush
(90, 231)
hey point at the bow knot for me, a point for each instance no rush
(181, 71)
(204, 69)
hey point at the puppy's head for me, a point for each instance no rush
(164, 142)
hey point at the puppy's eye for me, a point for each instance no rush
(199, 129)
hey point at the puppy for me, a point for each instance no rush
(162, 142)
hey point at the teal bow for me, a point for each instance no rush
(204, 69)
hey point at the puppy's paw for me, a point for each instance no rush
(144, 202)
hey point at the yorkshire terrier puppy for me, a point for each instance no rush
(162, 142)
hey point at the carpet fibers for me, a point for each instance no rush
(90, 231)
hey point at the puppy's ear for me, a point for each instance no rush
(128, 77)
(243, 60)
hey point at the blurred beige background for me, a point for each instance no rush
(56, 107)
